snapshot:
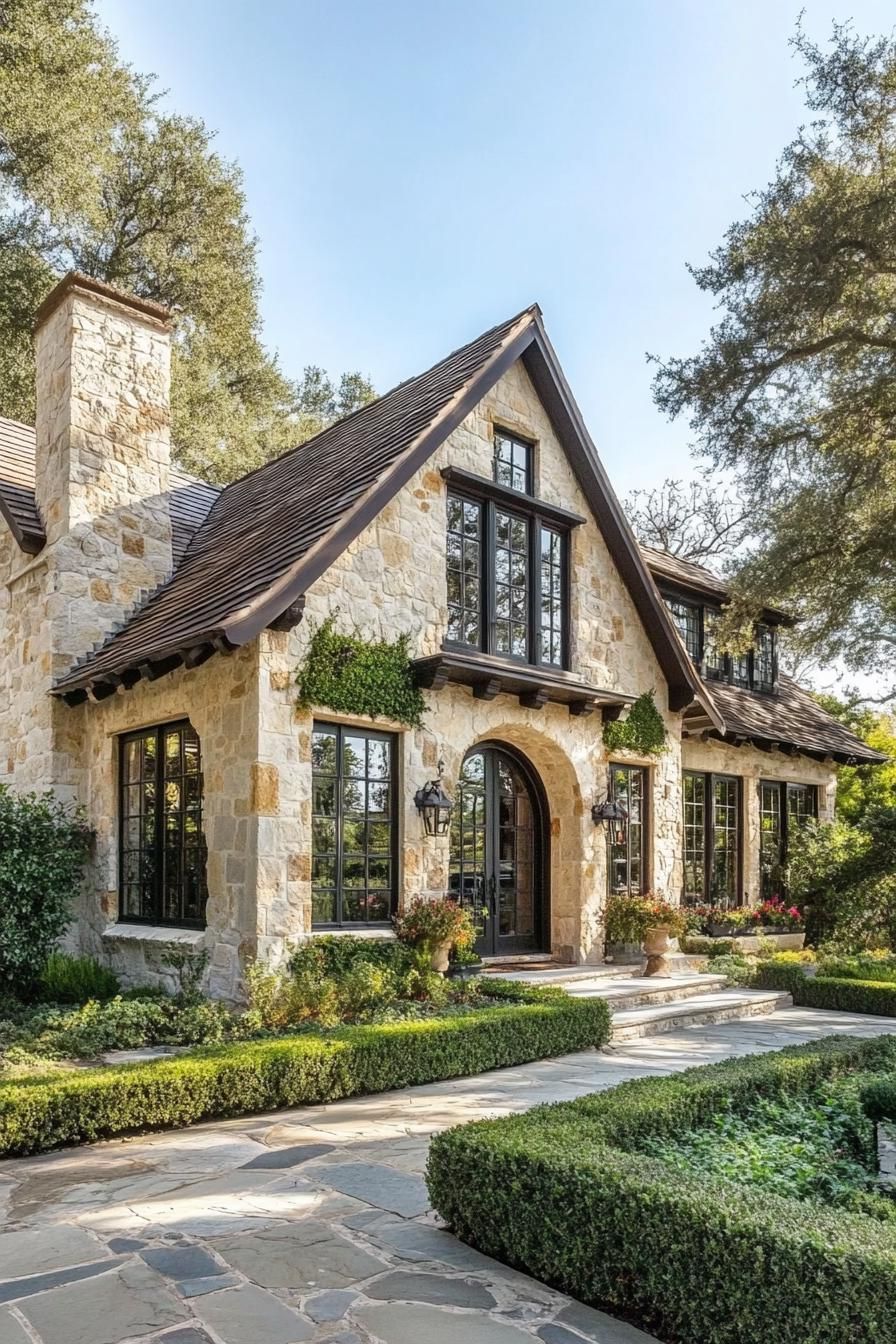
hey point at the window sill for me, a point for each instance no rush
(383, 934)
(153, 933)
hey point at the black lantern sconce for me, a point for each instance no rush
(616, 814)
(434, 805)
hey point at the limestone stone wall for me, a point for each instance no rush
(102, 463)
(751, 766)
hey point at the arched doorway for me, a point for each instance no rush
(499, 849)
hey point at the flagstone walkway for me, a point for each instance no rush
(310, 1224)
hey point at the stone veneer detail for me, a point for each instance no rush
(102, 483)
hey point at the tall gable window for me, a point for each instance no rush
(712, 838)
(507, 573)
(513, 462)
(353, 826)
(161, 845)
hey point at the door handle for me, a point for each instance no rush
(493, 894)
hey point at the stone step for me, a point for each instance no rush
(629, 992)
(701, 1010)
(558, 974)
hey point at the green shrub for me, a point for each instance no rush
(880, 967)
(43, 849)
(67, 979)
(38, 1113)
(693, 945)
(878, 1097)
(822, 991)
(565, 1194)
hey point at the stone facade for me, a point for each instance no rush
(102, 485)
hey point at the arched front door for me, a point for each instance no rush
(498, 849)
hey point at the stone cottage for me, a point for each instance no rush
(153, 626)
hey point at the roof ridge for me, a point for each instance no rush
(532, 309)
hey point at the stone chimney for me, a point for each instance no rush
(103, 456)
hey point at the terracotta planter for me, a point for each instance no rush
(441, 955)
(656, 948)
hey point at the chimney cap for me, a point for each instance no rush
(78, 281)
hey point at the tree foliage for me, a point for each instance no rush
(794, 391)
(860, 787)
(96, 176)
(695, 520)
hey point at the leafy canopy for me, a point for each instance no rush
(95, 175)
(794, 390)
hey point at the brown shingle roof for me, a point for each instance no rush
(790, 717)
(689, 577)
(190, 499)
(269, 535)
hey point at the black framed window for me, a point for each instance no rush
(628, 844)
(688, 621)
(712, 838)
(464, 570)
(551, 595)
(162, 850)
(354, 859)
(511, 621)
(508, 581)
(765, 659)
(513, 462)
(756, 670)
(783, 808)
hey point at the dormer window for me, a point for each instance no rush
(513, 462)
(755, 670)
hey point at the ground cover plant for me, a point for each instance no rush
(604, 1198)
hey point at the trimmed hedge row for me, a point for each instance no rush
(822, 991)
(561, 1193)
(37, 1113)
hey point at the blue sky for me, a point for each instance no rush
(418, 170)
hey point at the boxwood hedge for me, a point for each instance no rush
(561, 1193)
(46, 1111)
(822, 991)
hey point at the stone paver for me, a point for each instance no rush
(312, 1224)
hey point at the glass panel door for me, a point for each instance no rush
(496, 848)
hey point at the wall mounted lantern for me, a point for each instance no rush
(434, 805)
(616, 814)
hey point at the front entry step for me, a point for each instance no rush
(701, 1010)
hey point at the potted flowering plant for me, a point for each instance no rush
(646, 920)
(434, 927)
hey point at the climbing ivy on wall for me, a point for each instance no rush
(643, 730)
(358, 676)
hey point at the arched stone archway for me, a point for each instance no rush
(572, 906)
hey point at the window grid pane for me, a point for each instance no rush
(725, 837)
(764, 659)
(464, 571)
(513, 463)
(552, 622)
(687, 621)
(352, 827)
(511, 585)
(628, 859)
(694, 794)
(771, 840)
(162, 849)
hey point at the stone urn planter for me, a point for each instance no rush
(656, 949)
(441, 956)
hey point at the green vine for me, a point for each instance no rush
(643, 730)
(358, 676)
